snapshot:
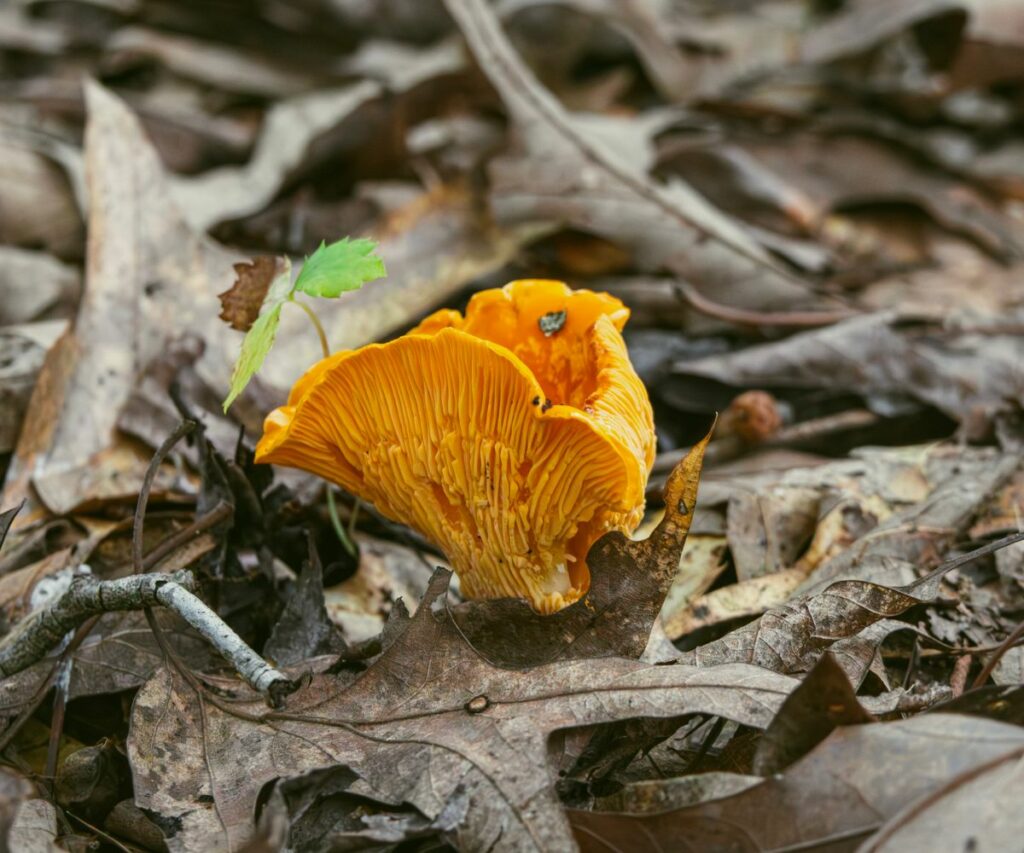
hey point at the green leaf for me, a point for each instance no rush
(328, 272)
(257, 343)
(342, 266)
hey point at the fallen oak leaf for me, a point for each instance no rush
(429, 716)
(628, 584)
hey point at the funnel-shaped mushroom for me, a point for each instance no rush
(512, 437)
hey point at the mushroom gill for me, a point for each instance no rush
(513, 437)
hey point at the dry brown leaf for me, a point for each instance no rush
(35, 286)
(430, 708)
(961, 367)
(206, 62)
(976, 809)
(22, 353)
(39, 208)
(289, 128)
(34, 826)
(241, 303)
(570, 173)
(833, 171)
(791, 637)
(147, 278)
(735, 601)
(837, 794)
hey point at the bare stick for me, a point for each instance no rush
(257, 673)
(88, 596)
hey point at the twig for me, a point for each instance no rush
(1004, 647)
(743, 317)
(183, 429)
(796, 434)
(186, 427)
(184, 536)
(961, 669)
(259, 674)
(88, 596)
(513, 79)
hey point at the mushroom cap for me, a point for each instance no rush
(513, 437)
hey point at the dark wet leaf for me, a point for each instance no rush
(91, 781)
(304, 630)
(322, 815)
(824, 700)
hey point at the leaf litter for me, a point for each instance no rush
(813, 214)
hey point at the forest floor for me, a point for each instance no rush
(815, 213)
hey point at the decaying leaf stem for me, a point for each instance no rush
(88, 596)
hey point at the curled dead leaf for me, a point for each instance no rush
(240, 304)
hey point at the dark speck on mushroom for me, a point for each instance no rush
(547, 405)
(535, 401)
(552, 322)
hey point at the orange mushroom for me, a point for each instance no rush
(513, 437)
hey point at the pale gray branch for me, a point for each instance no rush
(88, 596)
